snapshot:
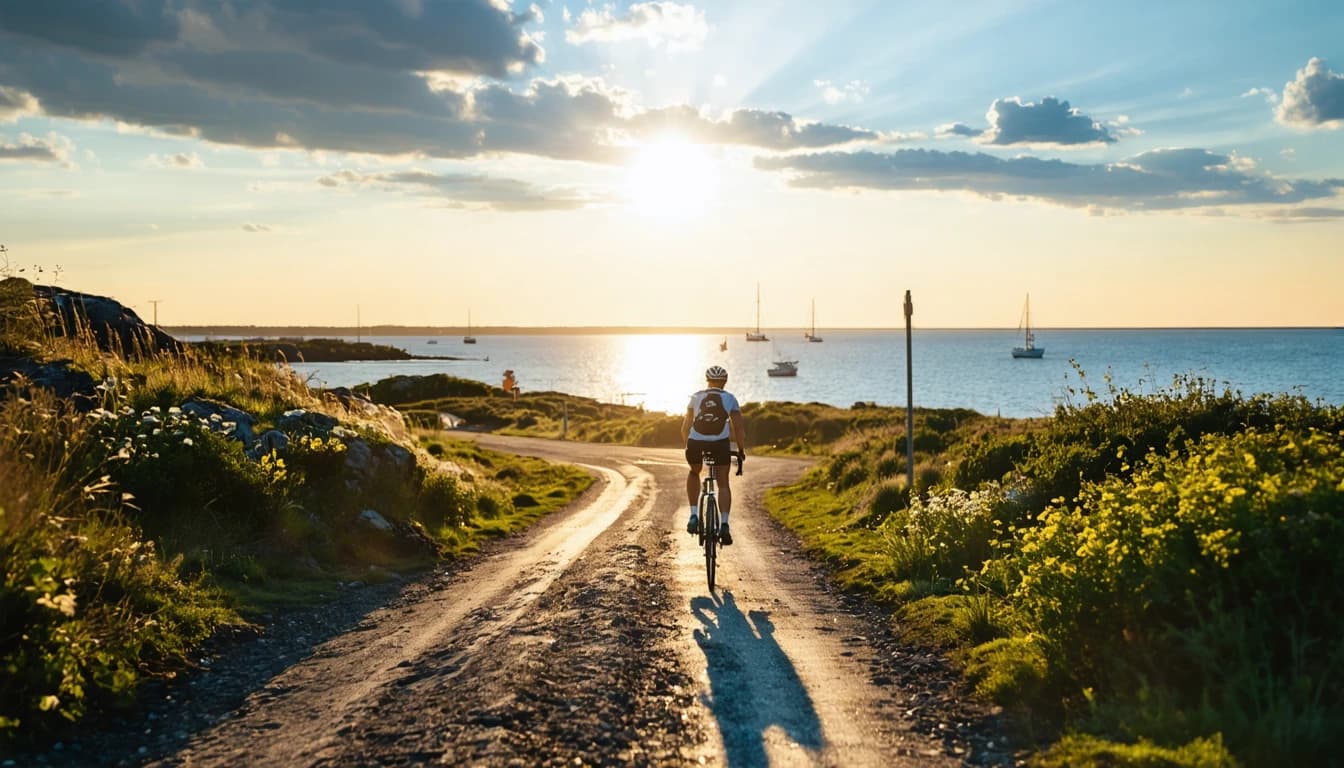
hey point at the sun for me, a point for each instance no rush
(672, 178)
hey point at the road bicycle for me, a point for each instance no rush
(709, 515)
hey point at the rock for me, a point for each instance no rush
(243, 422)
(273, 441)
(116, 328)
(359, 458)
(57, 376)
(307, 422)
(374, 520)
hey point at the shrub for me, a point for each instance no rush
(443, 502)
(1190, 577)
(1083, 751)
(943, 536)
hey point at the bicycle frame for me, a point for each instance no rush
(709, 517)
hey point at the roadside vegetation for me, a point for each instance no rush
(780, 428)
(1137, 574)
(176, 492)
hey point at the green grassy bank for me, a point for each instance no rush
(1135, 580)
(175, 493)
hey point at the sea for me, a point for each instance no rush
(951, 368)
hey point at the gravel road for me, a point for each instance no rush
(592, 640)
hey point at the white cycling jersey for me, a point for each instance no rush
(712, 406)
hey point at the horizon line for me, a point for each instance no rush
(395, 329)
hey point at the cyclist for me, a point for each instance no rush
(713, 423)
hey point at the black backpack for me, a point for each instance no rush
(711, 416)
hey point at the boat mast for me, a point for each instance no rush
(758, 308)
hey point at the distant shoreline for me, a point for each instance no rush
(260, 331)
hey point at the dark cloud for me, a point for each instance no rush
(1157, 180)
(469, 36)
(1051, 122)
(466, 190)
(959, 129)
(1315, 99)
(108, 27)
(232, 79)
(250, 227)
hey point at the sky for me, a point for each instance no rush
(303, 162)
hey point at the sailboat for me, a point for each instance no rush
(812, 334)
(468, 339)
(1029, 348)
(757, 335)
(723, 345)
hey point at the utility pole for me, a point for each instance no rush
(909, 401)
(155, 302)
(358, 333)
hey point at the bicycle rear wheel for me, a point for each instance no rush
(710, 526)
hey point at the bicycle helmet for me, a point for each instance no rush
(716, 373)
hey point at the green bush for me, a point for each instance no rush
(1191, 578)
(943, 536)
(443, 502)
(1083, 751)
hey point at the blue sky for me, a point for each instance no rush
(1110, 158)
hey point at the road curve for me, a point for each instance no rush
(592, 640)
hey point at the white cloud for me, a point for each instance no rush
(1314, 99)
(679, 26)
(53, 148)
(466, 190)
(177, 160)
(15, 104)
(720, 81)
(253, 227)
(1270, 96)
(836, 93)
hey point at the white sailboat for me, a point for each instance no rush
(812, 334)
(1028, 349)
(757, 335)
(468, 339)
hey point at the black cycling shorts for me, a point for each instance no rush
(721, 450)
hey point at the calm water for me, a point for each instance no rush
(971, 369)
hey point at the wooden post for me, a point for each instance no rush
(909, 401)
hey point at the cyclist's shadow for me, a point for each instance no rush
(753, 685)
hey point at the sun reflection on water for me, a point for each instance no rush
(659, 371)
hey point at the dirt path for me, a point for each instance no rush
(592, 640)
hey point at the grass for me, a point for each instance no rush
(131, 532)
(536, 488)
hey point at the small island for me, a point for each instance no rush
(293, 350)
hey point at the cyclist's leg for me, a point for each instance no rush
(693, 460)
(721, 475)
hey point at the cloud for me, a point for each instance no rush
(958, 129)
(1163, 179)
(1270, 95)
(54, 148)
(466, 190)
(1305, 213)
(680, 26)
(251, 227)
(1051, 122)
(232, 80)
(15, 104)
(854, 91)
(178, 160)
(1315, 99)
(778, 131)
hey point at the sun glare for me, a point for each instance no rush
(672, 178)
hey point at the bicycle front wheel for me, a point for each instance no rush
(710, 522)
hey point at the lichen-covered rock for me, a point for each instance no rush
(116, 327)
(221, 415)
